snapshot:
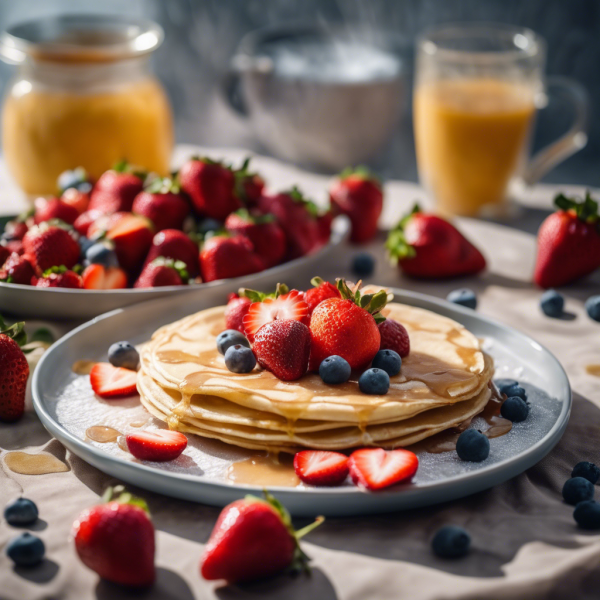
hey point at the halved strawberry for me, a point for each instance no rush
(376, 468)
(99, 277)
(112, 382)
(289, 306)
(132, 236)
(318, 467)
(158, 446)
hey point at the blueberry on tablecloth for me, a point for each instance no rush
(587, 514)
(577, 489)
(21, 511)
(552, 303)
(26, 550)
(451, 541)
(587, 470)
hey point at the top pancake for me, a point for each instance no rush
(445, 366)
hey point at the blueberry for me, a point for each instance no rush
(101, 254)
(76, 178)
(552, 303)
(240, 359)
(123, 354)
(515, 390)
(374, 381)
(473, 446)
(464, 297)
(363, 264)
(85, 243)
(334, 369)
(577, 489)
(26, 550)
(207, 225)
(21, 511)
(587, 514)
(451, 541)
(389, 361)
(592, 305)
(230, 337)
(587, 470)
(504, 384)
(514, 409)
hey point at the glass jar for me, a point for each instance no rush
(83, 95)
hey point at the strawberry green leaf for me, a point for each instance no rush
(178, 265)
(397, 246)
(256, 219)
(163, 185)
(16, 332)
(372, 303)
(297, 196)
(120, 495)
(586, 209)
(43, 334)
(317, 281)
(59, 270)
(256, 296)
(360, 171)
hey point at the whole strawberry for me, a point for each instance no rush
(14, 371)
(322, 290)
(60, 277)
(85, 220)
(51, 246)
(394, 337)
(17, 269)
(116, 189)
(347, 327)
(45, 210)
(4, 254)
(427, 246)
(175, 244)
(162, 203)
(253, 539)
(237, 308)
(249, 185)
(162, 272)
(357, 193)
(568, 242)
(211, 187)
(17, 228)
(265, 234)
(222, 257)
(116, 539)
(77, 199)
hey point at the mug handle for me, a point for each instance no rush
(571, 142)
(232, 90)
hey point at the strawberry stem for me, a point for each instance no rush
(122, 496)
(362, 172)
(586, 209)
(15, 332)
(372, 303)
(396, 244)
(306, 530)
(317, 281)
(256, 296)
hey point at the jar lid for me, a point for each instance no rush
(80, 38)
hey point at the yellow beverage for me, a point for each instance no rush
(471, 135)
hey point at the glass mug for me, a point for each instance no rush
(477, 90)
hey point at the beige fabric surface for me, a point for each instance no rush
(525, 543)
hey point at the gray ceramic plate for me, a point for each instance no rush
(67, 407)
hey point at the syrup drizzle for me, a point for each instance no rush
(34, 464)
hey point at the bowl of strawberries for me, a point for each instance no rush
(132, 236)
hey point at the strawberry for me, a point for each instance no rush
(16, 229)
(174, 244)
(322, 291)
(84, 222)
(132, 236)
(158, 446)
(211, 186)
(4, 254)
(568, 242)
(51, 246)
(376, 468)
(249, 185)
(162, 203)
(17, 269)
(394, 337)
(357, 193)
(112, 382)
(116, 539)
(265, 308)
(14, 371)
(99, 277)
(116, 189)
(162, 272)
(267, 237)
(253, 539)
(237, 308)
(15, 246)
(45, 210)
(318, 467)
(77, 199)
(60, 277)
(430, 247)
(324, 221)
(283, 347)
(347, 326)
(222, 257)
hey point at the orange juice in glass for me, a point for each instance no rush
(83, 96)
(477, 89)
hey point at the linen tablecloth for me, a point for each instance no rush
(525, 544)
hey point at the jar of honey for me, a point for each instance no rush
(83, 95)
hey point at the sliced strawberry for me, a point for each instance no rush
(376, 468)
(112, 382)
(318, 467)
(290, 306)
(157, 446)
(132, 236)
(99, 277)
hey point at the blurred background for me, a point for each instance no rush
(202, 37)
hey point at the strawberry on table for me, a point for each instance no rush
(14, 371)
(222, 257)
(357, 193)
(322, 290)
(158, 446)
(101, 277)
(162, 272)
(112, 382)
(60, 277)
(17, 269)
(254, 539)
(116, 539)
(394, 337)
(132, 236)
(171, 243)
(50, 246)
(428, 246)
(211, 185)
(266, 235)
(568, 242)
(237, 308)
(319, 467)
(163, 204)
(376, 468)
(53, 208)
(347, 327)
(116, 189)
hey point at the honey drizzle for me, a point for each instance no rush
(34, 464)
(83, 367)
(593, 370)
(102, 434)
(264, 470)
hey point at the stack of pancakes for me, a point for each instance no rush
(184, 382)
